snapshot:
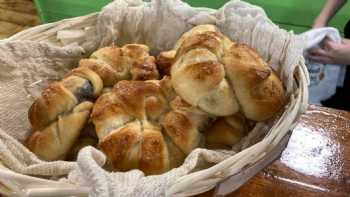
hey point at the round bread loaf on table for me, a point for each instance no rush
(143, 125)
(222, 77)
(61, 112)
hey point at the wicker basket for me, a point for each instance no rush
(235, 170)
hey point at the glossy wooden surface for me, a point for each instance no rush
(316, 161)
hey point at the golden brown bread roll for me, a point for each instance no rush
(61, 97)
(197, 30)
(58, 116)
(113, 64)
(221, 77)
(198, 76)
(54, 141)
(61, 102)
(138, 127)
(165, 60)
(225, 132)
(258, 89)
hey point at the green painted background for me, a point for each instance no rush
(300, 14)
(296, 15)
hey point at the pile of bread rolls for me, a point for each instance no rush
(149, 113)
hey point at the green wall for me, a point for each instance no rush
(54, 10)
(296, 15)
(300, 14)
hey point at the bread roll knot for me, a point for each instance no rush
(140, 126)
(61, 112)
(222, 77)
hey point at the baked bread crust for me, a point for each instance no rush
(139, 127)
(61, 112)
(222, 77)
(149, 124)
(130, 62)
(224, 132)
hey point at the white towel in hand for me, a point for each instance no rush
(324, 78)
(316, 36)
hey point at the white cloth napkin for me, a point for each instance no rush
(324, 78)
(316, 36)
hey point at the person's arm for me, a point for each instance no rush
(331, 7)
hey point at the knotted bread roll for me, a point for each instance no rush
(222, 77)
(144, 125)
(224, 132)
(130, 62)
(58, 116)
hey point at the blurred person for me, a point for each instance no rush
(334, 53)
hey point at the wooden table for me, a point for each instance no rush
(316, 161)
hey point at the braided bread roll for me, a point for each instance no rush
(55, 141)
(114, 64)
(143, 125)
(61, 112)
(58, 116)
(222, 77)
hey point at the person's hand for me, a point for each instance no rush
(332, 52)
